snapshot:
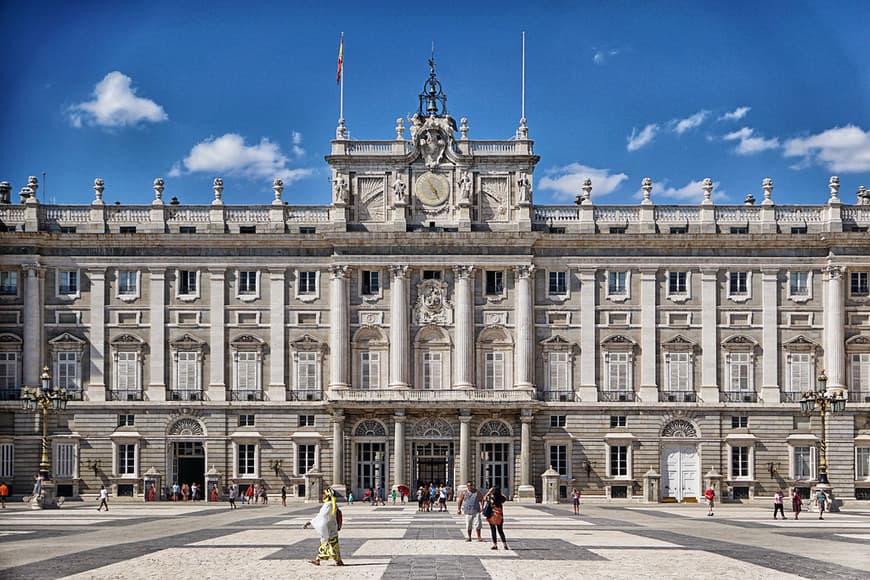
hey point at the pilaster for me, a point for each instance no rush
(834, 331)
(277, 331)
(770, 387)
(338, 452)
(588, 390)
(709, 335)
(157, 338)
(34, 293)
(526, 491)
(463, 356)
(648, 345)
(525, 328)
(95, 386)
(399, 327)
(339, 328)
(399, 449)
(464, 446)
(217, 387)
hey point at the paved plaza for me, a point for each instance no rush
(207, 541)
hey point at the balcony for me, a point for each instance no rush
(616, 396)
(859, 396)
(558, 396)
(10, 394)
(678, 396)
(791, 396)
(306, 395)
(247, 395)
(185, 395)
(426, 396)
(125, 395)
(738, 397)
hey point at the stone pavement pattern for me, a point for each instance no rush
(135, 541)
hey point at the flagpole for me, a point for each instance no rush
(341, 79)
(523, 112)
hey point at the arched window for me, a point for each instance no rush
(679, 428)
(370, 428)
(495, 428)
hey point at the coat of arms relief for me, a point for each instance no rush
(432, 306)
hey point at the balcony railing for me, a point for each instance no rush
(791, 396)
(678, 396)
(125, 395)
(617, 396)
(247, 395)
(859, 396)
(185, 395)
(10, 394)
(738, 397)
(306, 395)
(427, 396)
(559, 396)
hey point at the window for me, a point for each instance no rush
(186, 229)
(126, 420)
(739, 367)
(370, 370)
(858, 284)
(740, 462)
(431, 370)
(127, 230)
(678, 371)
(494, 282)
(431, 274)
(64, 460)
(371, 282)
(307, 282)
(306, 371)
(739, 422)
(128, 282)
(557, 371)
(306, 420)
(616, 282)
(557, 420)
(493, 375)
(617, 371)
(305, 458)
(247, 282)
(618, 461)
(247, 370)
(738, 283)
(618, 230)
(7, 461)
(8, 283)
(127, 371)
(246, 420)
(247, 465)
(307, 230)
(678, 283)
(739, 230)
(68, 282)
(247, 229)
(617, 421)
(559, 459)
(187, 282)
(557, 283)
(798, 284)
(679, 230)
(861, 372)
(66, 373)
(803, 463)
(799, 230)
(187, 371)
(800, 368)
(862, 463)
(8, 370)
(126, 459)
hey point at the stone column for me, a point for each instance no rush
(96, 378)
(464, 448)
(649, 390)
(526, 491)
(399, 449)
(277, 330)
(709, 335)
(157, 338)
(338, 452)
(217, 386)
(834, 334)
(588, 390)
(32, 355)
(463, 356)
(399, 328)
(525, 329)
(770, 388)
(339, 328)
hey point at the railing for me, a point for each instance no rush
(125, 395)
(303, 214)
(246, 395)
(859, 396)
(10, 394)
(558, 396)
(70, 214)
(677, 214)
(799, 214)
(247, 215)
(737, 397)
(11, 213)
(617, 215)
(856, 214)
(306, 395)
(122, 214)
(494, 147)
(677, 396)
(616, 396)
(427, 396)
(790, 396)
(737, 215)
(556, 214)
(185, 394)
(193, 215)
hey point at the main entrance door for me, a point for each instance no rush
(680, 472)
(433, 463)
(188, 463)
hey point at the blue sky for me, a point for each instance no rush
(618, 91)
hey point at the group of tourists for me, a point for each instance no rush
(183, 492)
(432, 495)
(821, 501)
(476, 506)
(253, 494)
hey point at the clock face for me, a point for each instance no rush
(432, 189)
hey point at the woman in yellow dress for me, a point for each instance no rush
(326, 524)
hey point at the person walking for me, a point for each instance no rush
(326, 524)
(350, 498)
(104, 498)
(284, 495)
(250, 494)
(575, 499)
(231, 495)
(4, 493)
(796, 503)
(710, 495)
(777, 504)
(442, 499)
(393, 495)
(495, 499)
(469, 504)
(821, 500)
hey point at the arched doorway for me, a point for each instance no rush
(371, 457)
(680, 464)
(495, 457)
(186, 457)
(432, 452)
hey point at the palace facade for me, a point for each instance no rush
(433, 324)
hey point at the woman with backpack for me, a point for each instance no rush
(327, 522)
(493, 511)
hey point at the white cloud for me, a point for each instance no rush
(841, 149)
(691, 192)
(637, 140)
(749, 144)
(602, 56)
(567, 181)
(115, 104)
(680, 126)
(736, 114)
(298, 151)
(230, 155)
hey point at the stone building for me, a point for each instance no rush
(432, 324)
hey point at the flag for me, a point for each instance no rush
(340, 58)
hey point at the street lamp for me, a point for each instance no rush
(44, 399)
(824, 403)
(484, 458)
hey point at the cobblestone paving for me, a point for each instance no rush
(178, 541)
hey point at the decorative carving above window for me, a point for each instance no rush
(679, 428)
(495, 429)
(187, 427)
(370, 428)
(436, 428)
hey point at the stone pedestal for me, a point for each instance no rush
(713, 479)
(47, 498)
(652, 486)
(314, 487)
(550, 486)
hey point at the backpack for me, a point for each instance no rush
(339, 518)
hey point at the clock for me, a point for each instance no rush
(432, 189)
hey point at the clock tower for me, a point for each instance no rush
(438, 179)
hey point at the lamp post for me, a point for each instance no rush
(379, 488)
(44, 399)
(823, 402)
(484, 459)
